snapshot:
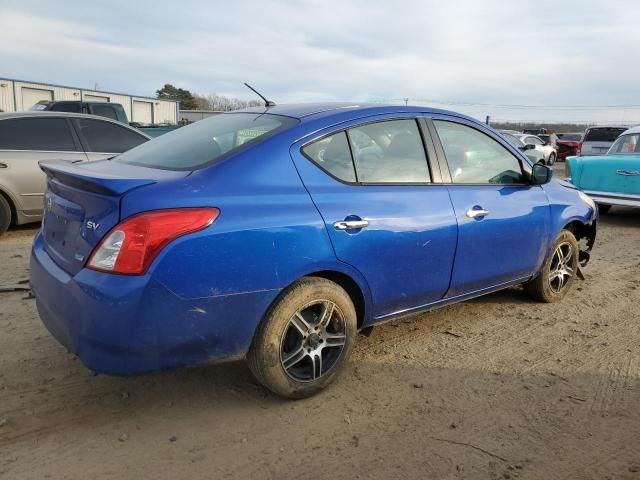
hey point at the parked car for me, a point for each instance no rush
(568, 144)
(277, 233)
(112, 110)
(26, 138)
(547, 150)
(534, 131)
(611, 179)
(597, 140)
(535, 156)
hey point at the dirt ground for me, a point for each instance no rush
(498, 387)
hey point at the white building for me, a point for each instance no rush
(19, 96)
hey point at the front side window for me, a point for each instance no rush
(533, 141)
(206, 142)
(106, 137)
(45, 134)
(332, 155)
(474, 157)
(389, 152)
(626, 144)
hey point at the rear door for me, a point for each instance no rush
(23, 143)
(503, 222)
(104, 139)
(376, 190)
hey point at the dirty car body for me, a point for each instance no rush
(283, 205)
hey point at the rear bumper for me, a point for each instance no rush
(125, 325)
(609, 198)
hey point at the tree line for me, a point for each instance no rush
(195, 101)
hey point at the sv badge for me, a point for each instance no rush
(92, 225)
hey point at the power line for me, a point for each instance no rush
(504, 105)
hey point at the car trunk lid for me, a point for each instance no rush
(82, 204)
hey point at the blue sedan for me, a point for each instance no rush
(276, 234)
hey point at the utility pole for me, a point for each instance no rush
(406, 101)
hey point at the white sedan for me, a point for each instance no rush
(548, 151)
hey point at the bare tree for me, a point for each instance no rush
(221, 103)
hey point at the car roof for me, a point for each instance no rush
(631, 130)
(36, 114)
(312, 111)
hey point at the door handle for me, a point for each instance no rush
(477, 213)
(351, 224)
(628, 173)
(3, 165)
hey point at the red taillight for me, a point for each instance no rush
(132, 245)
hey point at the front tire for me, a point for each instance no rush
(558, 272)
(603, 209)
(552, 159)
(304, 339)
(5, 215)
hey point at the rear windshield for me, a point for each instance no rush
(603, 134)
(205, 142)
(570, 137)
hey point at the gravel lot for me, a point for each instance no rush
(497, 387)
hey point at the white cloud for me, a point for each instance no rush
(486, 51)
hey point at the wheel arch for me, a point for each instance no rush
(351, 287)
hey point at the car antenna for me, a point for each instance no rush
(267, 103)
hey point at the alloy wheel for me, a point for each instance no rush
(562, 267)
(313, 341)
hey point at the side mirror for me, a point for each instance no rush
(541, 174)
(529, 146)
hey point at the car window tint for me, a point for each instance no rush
(626, 144)
(332, 154)
(207, 141)
(602, 134)
(107, 137)
(389, 152)
(49, 134)
(104, 111)
(66, 107)
(474, 157)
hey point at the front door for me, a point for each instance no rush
(503, 222)
(372, 185)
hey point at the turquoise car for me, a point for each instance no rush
(613, 178)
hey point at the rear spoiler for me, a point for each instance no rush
(75, 175)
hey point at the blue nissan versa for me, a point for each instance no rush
(277, 233)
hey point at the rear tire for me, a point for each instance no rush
(305, 338)
(603, 209)
(558, 272)
(5, 214)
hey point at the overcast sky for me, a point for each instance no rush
(495, 52)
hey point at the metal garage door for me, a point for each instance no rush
(31, 96)
(142, 112)
(95, 98)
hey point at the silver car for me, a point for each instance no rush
(28, 137)
(598, 140)
(548, 151)
(529, 150)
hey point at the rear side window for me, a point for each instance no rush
(66, 107)
(603, 134)
(474, 157)
(47, 134)
(374, 153)
(206, 141)
(107, 137)
(332, 154)
(104, 111)
(389, 152)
